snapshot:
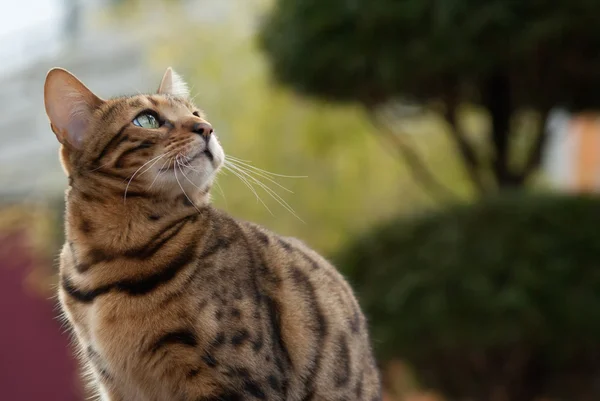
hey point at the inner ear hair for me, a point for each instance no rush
(173, 84)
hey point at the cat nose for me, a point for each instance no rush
(204, 129)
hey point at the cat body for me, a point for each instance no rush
(170, 299)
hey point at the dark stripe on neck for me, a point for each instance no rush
(111, 174)
(92, 258)
(280, 348)
(142, 252)
(157, 241)
(318, 327)
(226, 396)
(83, 296)
(342, 363)
(136, 287)
(178, 337)
(136, 194)
(87, 196)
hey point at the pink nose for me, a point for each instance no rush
(204, 129)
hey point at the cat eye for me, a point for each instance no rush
(146, 120)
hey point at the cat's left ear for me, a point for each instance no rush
(173, 84)
(70, 105)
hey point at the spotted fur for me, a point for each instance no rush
(172, 300)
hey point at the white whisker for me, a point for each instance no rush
(238, 159)
(247, 183)
(260, 175)
(222, 193)
(187, 165)
(240, 162)
(99, 167)
(155, 160)
(159, 173)
(180, 186)
(186, 177)
(271, 192)
(244, 180)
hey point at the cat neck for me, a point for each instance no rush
(113, 221)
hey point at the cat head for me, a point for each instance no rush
(158, 144)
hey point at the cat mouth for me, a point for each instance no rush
(208, 154)
(205, 152)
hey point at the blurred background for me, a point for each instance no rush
(451, 150)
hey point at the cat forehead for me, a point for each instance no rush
(166, 105)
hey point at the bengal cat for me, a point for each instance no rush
(170, 299)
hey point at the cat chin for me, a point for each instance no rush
(217, 153)
(196, 177)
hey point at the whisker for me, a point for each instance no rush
(187, 165)
(194, 98)
(244, 180)
(99, 167)
(190, 91)
(136, 89)
(272, 193)
(247, 183)
(159, 173)
(260, 175)
(238, 159)
(180, 186)
(155, 160)
(222, 193)
(240, 162)
(186, 177)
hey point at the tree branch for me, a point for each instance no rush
(535, 157)
(471, 162)
(496, 97)
(421, 174)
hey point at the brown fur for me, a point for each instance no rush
(173, 300)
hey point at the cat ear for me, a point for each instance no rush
(173, 84)
(70, 106)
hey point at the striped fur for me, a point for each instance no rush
(173, 300)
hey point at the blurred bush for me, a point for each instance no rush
(371, 50)
(352, 180)
(505, 56)
(495, 301)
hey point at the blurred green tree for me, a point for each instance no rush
(502, 55)
(496, 301)
(350, 181)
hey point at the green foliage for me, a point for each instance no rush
(374, 50)
(505, 293)
(352, 180)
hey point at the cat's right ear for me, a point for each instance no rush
(70, 106)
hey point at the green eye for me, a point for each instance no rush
(146, 121)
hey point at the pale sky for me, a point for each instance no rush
(29, 30)
(21, 14)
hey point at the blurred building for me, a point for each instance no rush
(35, 360)
(108, 61)
(572, 155)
